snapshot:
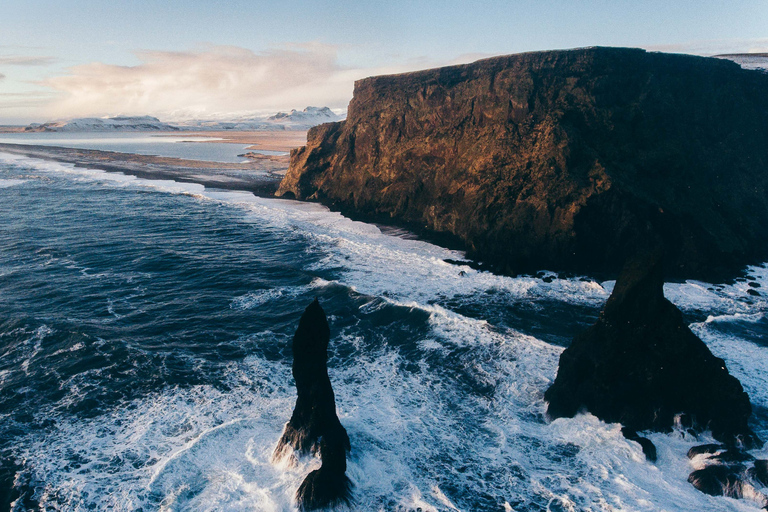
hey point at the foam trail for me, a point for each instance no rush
(452, 418)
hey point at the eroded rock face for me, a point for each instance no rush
(314, 425)
(565, 160)
(640, 365)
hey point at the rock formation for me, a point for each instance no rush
(314, 425)
(721, 471)
(640, 365)
(566, 160)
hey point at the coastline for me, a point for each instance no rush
(283, 140)
(260, 175)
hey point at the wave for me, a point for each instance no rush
(443, 401)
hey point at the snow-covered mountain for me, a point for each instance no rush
(293, 120)
(110, 124)
(309, 116)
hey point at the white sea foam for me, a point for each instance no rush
(5, 183)
(416, 430)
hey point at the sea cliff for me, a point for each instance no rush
(567, 160)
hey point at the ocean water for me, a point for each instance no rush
(145, 365)
(149, 143)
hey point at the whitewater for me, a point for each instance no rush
(145, 361)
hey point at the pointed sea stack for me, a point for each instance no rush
(640, 365)
(314, 425)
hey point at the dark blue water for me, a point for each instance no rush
(144, 362)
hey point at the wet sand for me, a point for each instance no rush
(283, 140)
(260, 175)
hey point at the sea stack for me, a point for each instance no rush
(314, 425)
(641, 366)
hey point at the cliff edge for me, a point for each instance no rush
(567, 160)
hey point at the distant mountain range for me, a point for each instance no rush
(293, 120)
(111, 124)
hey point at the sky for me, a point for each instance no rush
(216, 59)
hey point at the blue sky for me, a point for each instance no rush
(197, 58)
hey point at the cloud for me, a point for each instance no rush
(17, 60)
(214, 81)
(2, 77)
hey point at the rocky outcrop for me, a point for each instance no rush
(641, 366)
(314, 425)
(721, 471)
(566, 160)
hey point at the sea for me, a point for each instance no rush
(187, 146)
(145, 362)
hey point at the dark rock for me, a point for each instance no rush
(731, 480)
(733, 455)
(329, 485)
(314, 425)
(569, 160)
(754, 293)
(720, 453)
(753, 284)
(705, 449)
(649, 449)
(719, 480)
(760, 472)
(641, 366)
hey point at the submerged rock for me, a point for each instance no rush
(569, 160)
(720, 472)
(649, 449)
(640, 365)
(719, 480)
(314, 425)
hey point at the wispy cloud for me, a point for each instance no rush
(212, 81)
(22, 60)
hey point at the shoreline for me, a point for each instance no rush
(283, 140)
(260, 176)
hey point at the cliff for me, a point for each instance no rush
(567, 160)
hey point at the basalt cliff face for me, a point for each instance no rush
(566, 160)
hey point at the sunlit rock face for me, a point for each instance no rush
(566, 160)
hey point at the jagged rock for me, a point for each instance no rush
(649, 449)
(720, 472)
(706, 449)
(719, 480)
(567, 160)
(640, 365)
(329, 485)
(314, 425)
